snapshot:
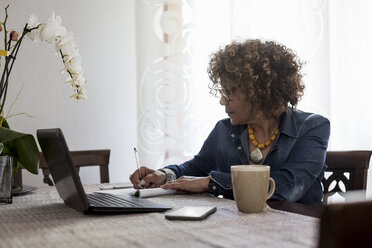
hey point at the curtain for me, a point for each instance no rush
(351, 85)
(164, 88)
(298, 24)
(174, 108)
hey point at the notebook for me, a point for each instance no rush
(143, 193)
(70, 189)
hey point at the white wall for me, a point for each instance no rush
(105, 35)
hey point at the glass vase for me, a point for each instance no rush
(6, 179)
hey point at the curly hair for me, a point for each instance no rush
(267, 73)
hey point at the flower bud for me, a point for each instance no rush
(14, 35)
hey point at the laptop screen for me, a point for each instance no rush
(62, 169)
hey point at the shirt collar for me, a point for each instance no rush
(238, 129)
(288, 124)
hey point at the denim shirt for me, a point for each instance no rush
(296, 158)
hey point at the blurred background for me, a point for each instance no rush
(146, 61)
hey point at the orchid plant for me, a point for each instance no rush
(22, 147)
(54, 32)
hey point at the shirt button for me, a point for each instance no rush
(232, 135)
(239, 147)
(214, 187)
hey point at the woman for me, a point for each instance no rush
(260, 84)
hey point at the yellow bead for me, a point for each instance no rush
(267, 143)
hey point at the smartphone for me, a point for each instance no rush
(191, 213)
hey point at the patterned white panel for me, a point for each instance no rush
(297, 23)
(165, 85)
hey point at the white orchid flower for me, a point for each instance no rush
(81, 95)
(78, 82)
(65, 45)
(67, 57)
(53, 29)
(33, 22)
(73, 63)
(76, 74)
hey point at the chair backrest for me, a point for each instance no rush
(346, 225)
(347, 167)
(99, 158)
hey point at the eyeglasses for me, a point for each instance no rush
(227, 93)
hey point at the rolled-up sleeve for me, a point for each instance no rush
(216, 156)
(220, 184)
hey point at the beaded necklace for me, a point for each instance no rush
(256, 155)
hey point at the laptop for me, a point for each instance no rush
(70, 189)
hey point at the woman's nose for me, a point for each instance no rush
(223, 101)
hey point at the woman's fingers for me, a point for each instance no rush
(154, 179)
(180, 183)
(137, 176)
(170, 185)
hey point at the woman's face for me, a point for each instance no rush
(239, 111)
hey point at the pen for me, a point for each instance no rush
(115, 187)
(138, 168)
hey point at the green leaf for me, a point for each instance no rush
(21, 147)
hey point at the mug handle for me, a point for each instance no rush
(272, 188)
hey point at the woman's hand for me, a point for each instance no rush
(149, 178)
(189, 184)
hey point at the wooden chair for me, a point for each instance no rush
(347, 167)
(346, 225)
(85, 158)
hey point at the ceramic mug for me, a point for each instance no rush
(251, 185)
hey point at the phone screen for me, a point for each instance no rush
(191, 213)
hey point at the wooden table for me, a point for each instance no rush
(298, 208)
(41, 219)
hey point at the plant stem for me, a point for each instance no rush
(5, 43)
(69, 73)
(13, 55)
(4, 24)
(62, 56)
(6, 70)
(6, 73)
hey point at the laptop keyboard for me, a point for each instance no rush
(107, 200)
